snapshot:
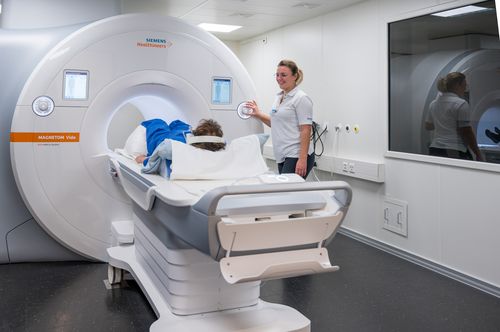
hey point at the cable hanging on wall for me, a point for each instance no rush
(316, 135)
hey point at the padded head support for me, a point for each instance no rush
(191, 139)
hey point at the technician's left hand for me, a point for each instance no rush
(301, 167)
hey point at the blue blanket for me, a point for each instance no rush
(158, 131)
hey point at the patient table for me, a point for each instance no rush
(199, 249)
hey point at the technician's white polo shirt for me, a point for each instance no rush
(296, 109)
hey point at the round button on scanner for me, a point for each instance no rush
(43, 105)
(243, 111)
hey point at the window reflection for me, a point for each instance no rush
(424, 50)
(449, 119)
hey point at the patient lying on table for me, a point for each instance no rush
(194, 149)
(159, 136)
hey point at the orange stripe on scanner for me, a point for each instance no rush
(24, 137)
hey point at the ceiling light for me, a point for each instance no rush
(218, 27)
(460, 11)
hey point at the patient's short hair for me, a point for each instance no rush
(208, 127)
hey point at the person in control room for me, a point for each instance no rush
(290, 121)
(449, 118)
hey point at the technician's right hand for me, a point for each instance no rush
(252, 104)
(256, 113)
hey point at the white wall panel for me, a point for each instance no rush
(419, 185)
(352, 70)
(470, 220)
(364, 215)
(29, 14)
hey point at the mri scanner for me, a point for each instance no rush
(198, 249)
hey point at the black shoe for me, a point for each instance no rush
(497, 130)
(491, 135)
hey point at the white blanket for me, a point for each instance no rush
(242, 158)
(136, 142)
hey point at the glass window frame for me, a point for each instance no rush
(416, 156)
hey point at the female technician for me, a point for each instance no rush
(290, 121)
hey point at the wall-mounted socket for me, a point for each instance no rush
(338, 127)
(351, 168)
(396, 216)
(347, 128)
(357, 168)
(348, 167)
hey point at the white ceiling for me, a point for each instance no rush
(256, 16)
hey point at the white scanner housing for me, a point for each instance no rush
(59, 129)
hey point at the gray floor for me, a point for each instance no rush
(373, 291)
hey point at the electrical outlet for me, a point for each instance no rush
(350, 167)
(395, 216)
(358, 168)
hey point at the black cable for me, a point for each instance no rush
(316, 136)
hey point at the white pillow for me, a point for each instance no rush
(242, 158)
(136, 142)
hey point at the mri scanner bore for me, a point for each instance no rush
(427, 48)
(194, 246)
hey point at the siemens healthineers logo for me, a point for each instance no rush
(154, 43)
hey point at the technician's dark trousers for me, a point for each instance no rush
(450, 153)
(288, 166)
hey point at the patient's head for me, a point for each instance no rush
(208, 128)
